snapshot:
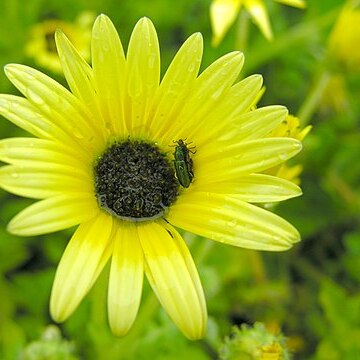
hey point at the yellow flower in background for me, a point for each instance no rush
(128, 158)
(290, 128)
(345, 37)
(41, 44)
(223, 14)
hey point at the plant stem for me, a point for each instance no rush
(311, 102)
(242, 31)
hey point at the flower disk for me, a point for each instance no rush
(134, 181)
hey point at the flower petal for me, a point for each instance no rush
(259, 14)
(177, 84)
(126, 279)
(56, 103)
(108, 61)
(223, 14)
(256, 124)
(143, 75)
(238, 100)
(228, 220)
(221, 161)
(173, 276)
(209, 89)
(256, 188)
(295, 3)
(26, 116)
(84, 258)
(53, 214)
(80, 78)
(42, 180)
(23, 151)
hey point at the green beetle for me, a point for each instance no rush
(183, 163)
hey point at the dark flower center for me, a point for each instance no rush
(134, 181)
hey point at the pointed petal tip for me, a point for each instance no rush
(298, 145)
(118, 329)
(10, 228)
(102, 17)
(9, 68)
(14, 227)
(196, 37)
(195, 40)
(144, 22)
(236, 55)
(200, 332)
(59, 33)
(101, 21)
(57, 314)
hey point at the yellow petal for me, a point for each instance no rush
(238, 100)
(259, 14)
(295, 3)
(255, 188)
(223, 14)
(80, 78)
(176, 85)
(43, 180)
(53, 214)
(228, 220)
(174, 278)
(108, 61)
(84, 258)
(24, 151)
(55, 102)
(25, 115)
(256, 124)
(220, 161)
(126, 279)
(143, 75)
(209, 89)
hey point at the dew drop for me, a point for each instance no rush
(191, 68)
(151, 61)
(232, 223)
(77, 132)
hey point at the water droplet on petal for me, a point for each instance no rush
(76, 131)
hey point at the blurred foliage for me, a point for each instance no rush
(311, 292)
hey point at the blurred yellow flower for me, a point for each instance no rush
(344, 39)
(223, 13)
(109, 156)
(290, 127)
(41, 44)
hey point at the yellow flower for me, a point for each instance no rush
(41, 45)
(223, 13)
(111, 156)
(345, 37)
(290, 127)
